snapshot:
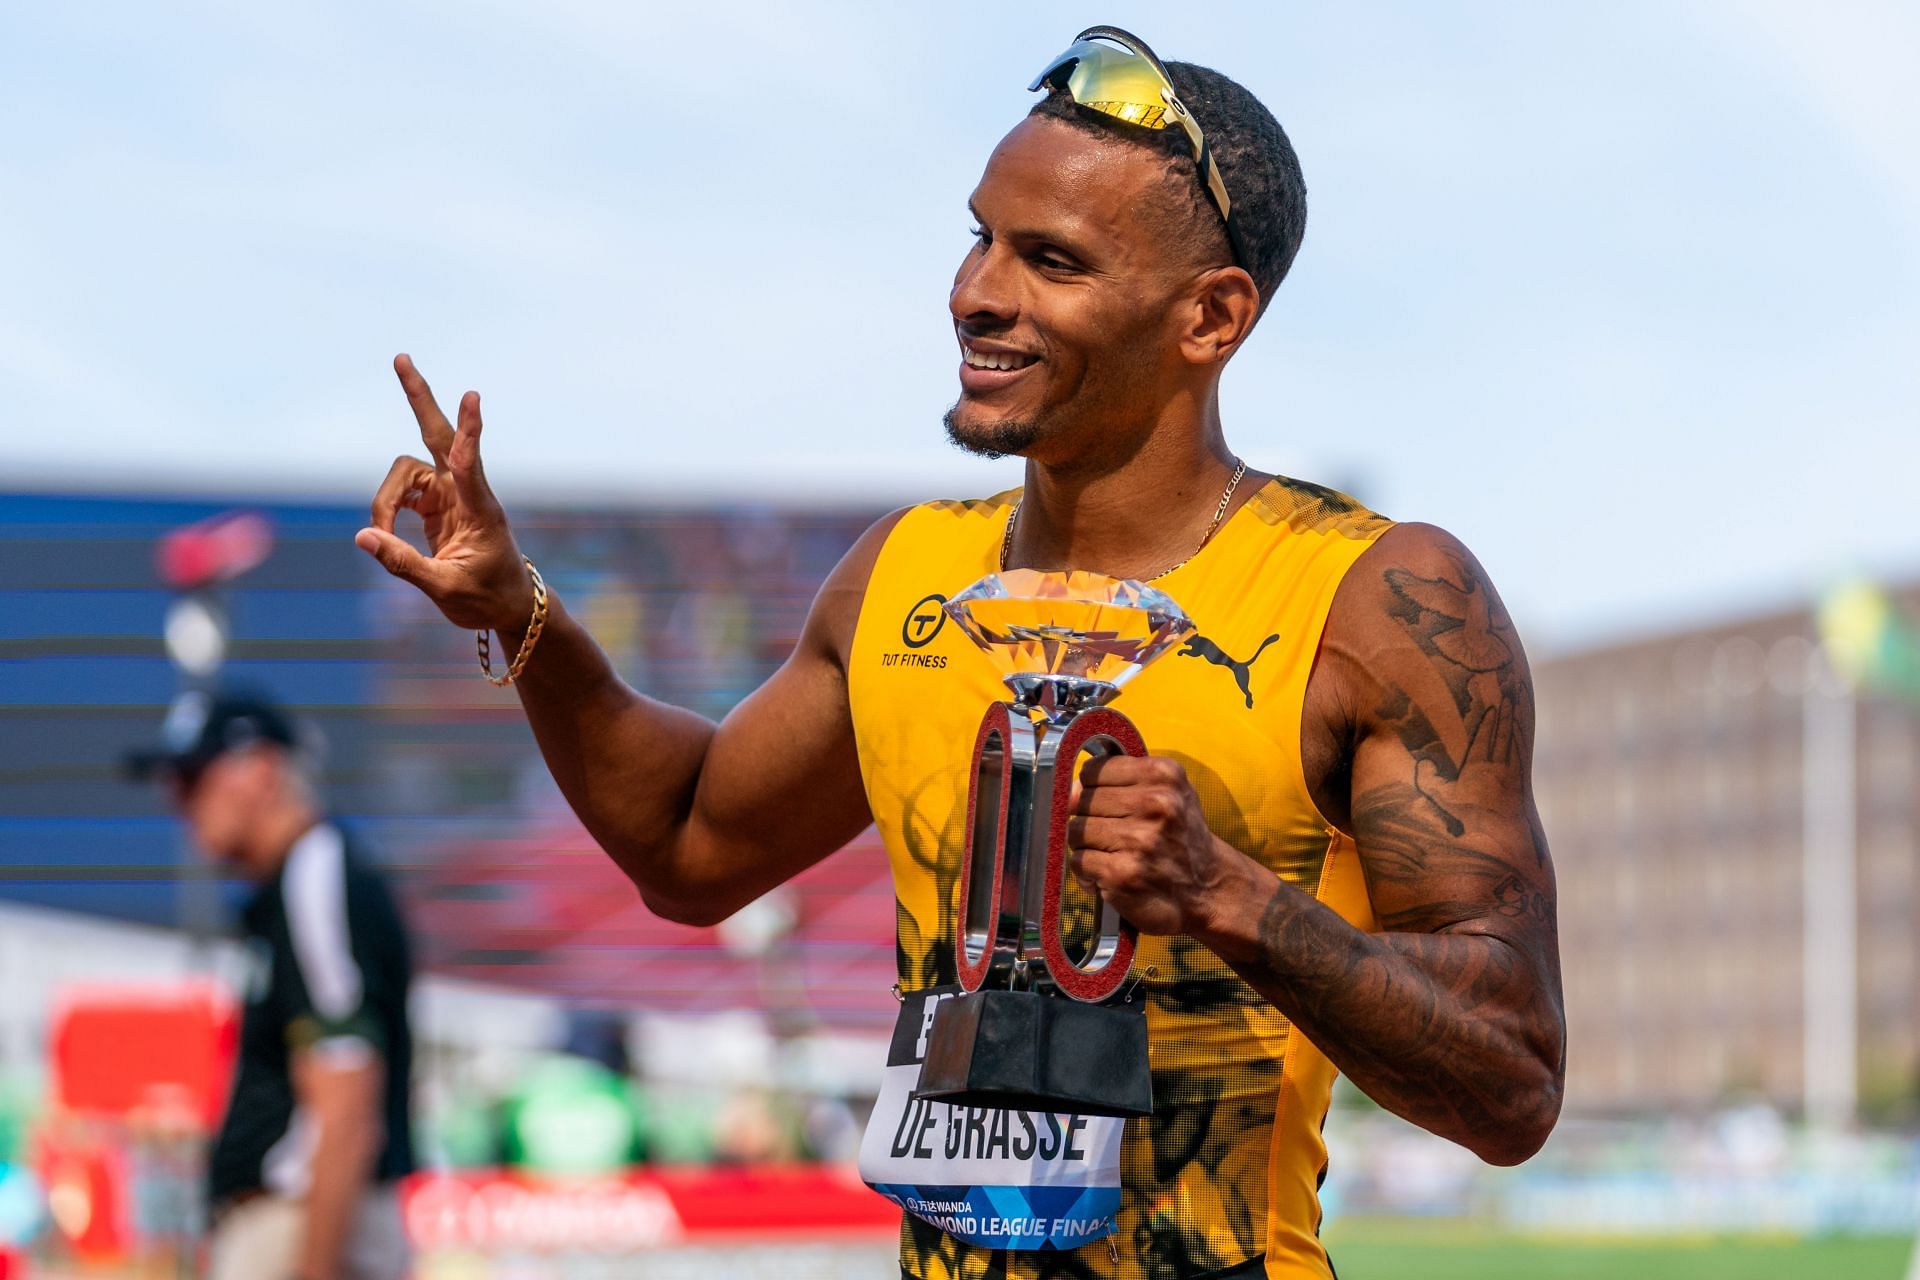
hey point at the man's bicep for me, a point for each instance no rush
(783, 765)
(1441, 865)
(1441, 798)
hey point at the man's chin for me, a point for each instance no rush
(990, 438)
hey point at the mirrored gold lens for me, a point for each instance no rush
(1125, 82)
(1131, 112)
(1115, 83)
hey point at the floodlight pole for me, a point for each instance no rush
(1830, 1021)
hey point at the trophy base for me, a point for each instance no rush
(1029, 1052)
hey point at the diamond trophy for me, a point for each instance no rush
(1044, 1022)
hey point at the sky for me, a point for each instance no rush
(1625, 295)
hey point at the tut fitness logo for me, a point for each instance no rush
(923, 622)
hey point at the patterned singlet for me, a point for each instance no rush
(1228, 1167)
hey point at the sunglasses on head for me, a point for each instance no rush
(1107, 70)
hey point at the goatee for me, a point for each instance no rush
(992, 440)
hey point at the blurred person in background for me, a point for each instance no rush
(1337, 835)
(303, 1176)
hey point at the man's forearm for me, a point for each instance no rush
(1454, 1031)
(343, 1161)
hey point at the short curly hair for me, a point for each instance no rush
(1256, 161)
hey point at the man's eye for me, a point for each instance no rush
(981, 234)
(1053, 262)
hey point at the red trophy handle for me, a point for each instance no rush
(983, 852)
(1106, 730)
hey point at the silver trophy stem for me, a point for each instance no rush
(1058, 697)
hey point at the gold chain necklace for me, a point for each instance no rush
(1219, 514)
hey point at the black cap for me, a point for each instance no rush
(201, 726)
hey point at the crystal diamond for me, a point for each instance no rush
(1084, 625)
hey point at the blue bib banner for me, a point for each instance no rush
(999, 1179)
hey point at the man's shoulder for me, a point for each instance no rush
(358, 857)
(1417, 546)
(942, 526)
(929, 517)
(843, 596)
(367, 875)
(1305, 507)
(334, 864)
(1416, 593)
(972, 507)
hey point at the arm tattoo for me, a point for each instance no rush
(1451, 1017)
(1469, 640)
(1445, 1029)
(1464, 630)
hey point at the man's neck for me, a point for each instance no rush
(1135, 519)
(278, 835)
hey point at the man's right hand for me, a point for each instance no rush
(703, 818)
(473, 573)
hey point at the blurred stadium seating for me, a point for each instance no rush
(694, 606)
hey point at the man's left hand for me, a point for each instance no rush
(1137, 837)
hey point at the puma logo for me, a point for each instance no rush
(1201, 647)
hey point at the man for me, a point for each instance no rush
(1336, 835)
(302, 1179)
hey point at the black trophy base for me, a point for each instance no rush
(1029, 1052)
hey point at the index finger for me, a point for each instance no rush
(435, 431)
(1111, 771)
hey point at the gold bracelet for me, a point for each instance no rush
(539, 621)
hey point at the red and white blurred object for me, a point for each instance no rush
(139, 1077)
(160, 1054)
(85, 1173)
(502, 1213)
(196, 560)
(217, 549)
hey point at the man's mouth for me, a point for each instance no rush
(997, 360)
(984, 371)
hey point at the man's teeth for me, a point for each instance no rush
(994, 359)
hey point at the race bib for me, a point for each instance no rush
(991, 1177)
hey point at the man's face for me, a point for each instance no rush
(223, 803)
(1070, 285)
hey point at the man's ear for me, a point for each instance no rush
(1222, 308)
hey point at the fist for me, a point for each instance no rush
(1136, 836)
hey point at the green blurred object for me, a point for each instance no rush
(16, 1112)
(467, 1133)
(1371, 1250)
(682, 1126)
(1869, 641)
(573, 1117)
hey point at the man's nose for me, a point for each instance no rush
(985, 292)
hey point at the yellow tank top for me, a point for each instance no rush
(1228, 1167)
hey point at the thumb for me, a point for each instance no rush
(398, 558)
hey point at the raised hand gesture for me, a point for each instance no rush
(474, 573)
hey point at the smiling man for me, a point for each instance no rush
(1334, 850)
